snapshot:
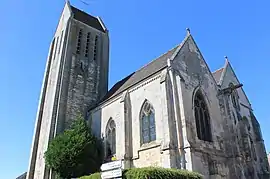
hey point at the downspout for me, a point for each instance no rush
(177, 117)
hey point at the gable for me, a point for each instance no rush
(23, 176)
(217, 75)
(191, 64)
(228, 77)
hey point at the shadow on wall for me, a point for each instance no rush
(94, 121)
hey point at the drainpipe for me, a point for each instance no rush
(177, 117)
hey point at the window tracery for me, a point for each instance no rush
(202, 118)
(110, 138)
(148, 128)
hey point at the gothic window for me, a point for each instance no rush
(95, 47)
(148, 127)
(202, 118)
(87, 45)
(235, 98)
(78, 48)
(110, 139)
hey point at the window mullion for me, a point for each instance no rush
(205, 128)
(200, 123)
(149, 127)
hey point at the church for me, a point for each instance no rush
(173, 112)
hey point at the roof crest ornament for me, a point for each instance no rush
(188, 31)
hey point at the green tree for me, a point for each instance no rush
(75, 152)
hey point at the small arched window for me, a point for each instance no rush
(202, 118)
(148, 126)
(110, 139)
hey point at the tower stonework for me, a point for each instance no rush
(75, 78)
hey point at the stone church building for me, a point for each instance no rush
(173, 112)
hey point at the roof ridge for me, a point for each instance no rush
(222, 68)
(157, 58)
(82, 11)
(224, 71)
(88, 19)
(179, 46)
(151, 68)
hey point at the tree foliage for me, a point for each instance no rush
(76, 152)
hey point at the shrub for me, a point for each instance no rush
(153, 173)
(76, 152)
(93, 176)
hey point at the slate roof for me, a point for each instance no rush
(217, 75)
(23, 176)
(86, 18)
(136, 77)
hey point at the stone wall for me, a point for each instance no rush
(125, 111)
(72, 83)
(45, 121)
(232, 153)
(85, 81)
(192, 74)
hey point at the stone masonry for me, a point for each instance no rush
(76, 82)
(72, 82)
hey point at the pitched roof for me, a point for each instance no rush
(115, 88)
(23, 176)
(217, 74)
(86, 18)
(136, 77)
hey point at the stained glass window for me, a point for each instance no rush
(110, 138)
(202, 118)
(148, 126)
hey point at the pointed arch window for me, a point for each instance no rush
(148, 126)
(202, 118)
(110, 138)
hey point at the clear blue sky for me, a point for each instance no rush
(139, 31)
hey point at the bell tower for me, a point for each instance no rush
(75, 78)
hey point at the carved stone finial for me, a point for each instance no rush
(226, 59)
(188, 31)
